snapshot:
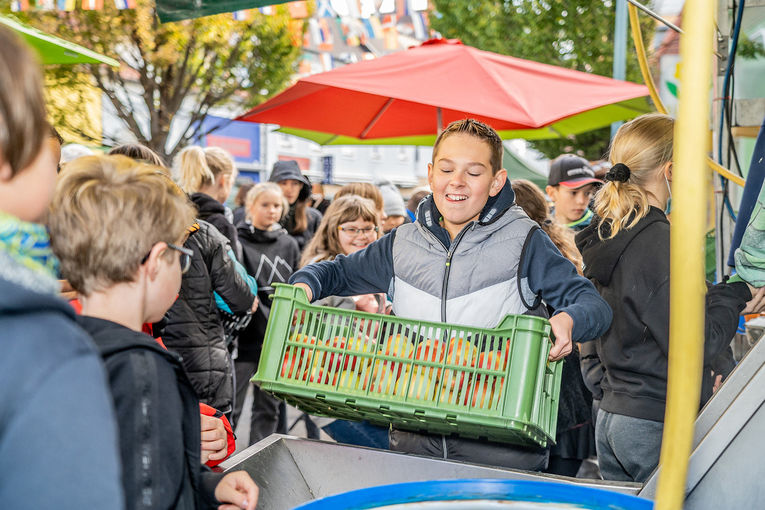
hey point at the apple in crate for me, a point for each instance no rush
(296, 358)
(431, 350)
(421, 386)
(317, 375)
(361, 346)
(383, 380)
(461, 353)
(352, 380)
(488, 389)
(400, 347)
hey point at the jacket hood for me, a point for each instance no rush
(17, 299)
(111, 336)
(429, 215)
(289, 169)
(248, 232)
(601, 256)
(207, 205)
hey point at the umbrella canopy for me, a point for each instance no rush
(418, 91)
(53, 50)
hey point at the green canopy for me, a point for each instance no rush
(176, 10)
(580, 123)
(518, 169)
(54, 50)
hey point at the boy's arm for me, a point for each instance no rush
(365, 272)
(554, 278)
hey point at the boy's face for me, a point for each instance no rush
(462, 181)
(570, 204)
(167, 283)
(28, 194)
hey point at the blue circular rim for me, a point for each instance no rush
(477, 489)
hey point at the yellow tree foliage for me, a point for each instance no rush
(189, 66)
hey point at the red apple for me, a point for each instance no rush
(431, 350)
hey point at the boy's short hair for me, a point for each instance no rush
(107, 214)
(481, 131)
(140, 153)
(23, 119)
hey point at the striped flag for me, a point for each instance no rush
(92, 5)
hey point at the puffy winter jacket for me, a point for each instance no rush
(192, 326)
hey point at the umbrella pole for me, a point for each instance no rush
(439, 121)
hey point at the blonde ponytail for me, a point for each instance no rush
(644, 145)
(193, 171)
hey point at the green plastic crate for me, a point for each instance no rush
(495, 383)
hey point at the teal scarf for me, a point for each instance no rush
(25, 253)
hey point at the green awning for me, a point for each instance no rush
(54, 50)
(176, 10)
(518, 169)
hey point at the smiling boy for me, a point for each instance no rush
(471, 258)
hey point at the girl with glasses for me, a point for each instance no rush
(350, 224)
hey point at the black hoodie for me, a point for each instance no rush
(158, 417)
(214, 213)
(269, 256)
(284, 170)
(631, 272)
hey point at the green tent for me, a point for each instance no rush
(54, 50)
(518, 169)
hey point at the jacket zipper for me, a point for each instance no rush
(449, 255)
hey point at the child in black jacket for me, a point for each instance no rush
(626, 254)
(270, 255)
(126, 279)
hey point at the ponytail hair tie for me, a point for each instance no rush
(618, 173)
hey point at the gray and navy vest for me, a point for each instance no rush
(475, 282)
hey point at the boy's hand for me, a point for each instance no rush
(214, 443)
(562, 326)
(307, 290)
(757, 303)
(236, 491)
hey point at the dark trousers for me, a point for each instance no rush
(264, 419)
(470, 450)
(628, 448)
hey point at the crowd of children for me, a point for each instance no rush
(105, 415)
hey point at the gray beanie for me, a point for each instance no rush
(393, 203)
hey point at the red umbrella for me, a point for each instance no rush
(417, 91)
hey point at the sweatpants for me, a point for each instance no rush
(264, 419)
(628, 448)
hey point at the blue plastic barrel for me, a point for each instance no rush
(477, 494)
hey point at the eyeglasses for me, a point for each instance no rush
(185, 256)
(354, 232)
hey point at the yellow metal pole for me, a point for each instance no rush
(637, 38)
(686, 325)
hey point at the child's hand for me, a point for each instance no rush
(255, 304)
(307, 290)
(562, 326)
(214, 443)
(757, 303)
(236, 491)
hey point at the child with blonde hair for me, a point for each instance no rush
(626, 254)
(270, 255)
(207, 175)
(118, 227)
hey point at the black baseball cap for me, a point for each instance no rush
(571, 171)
